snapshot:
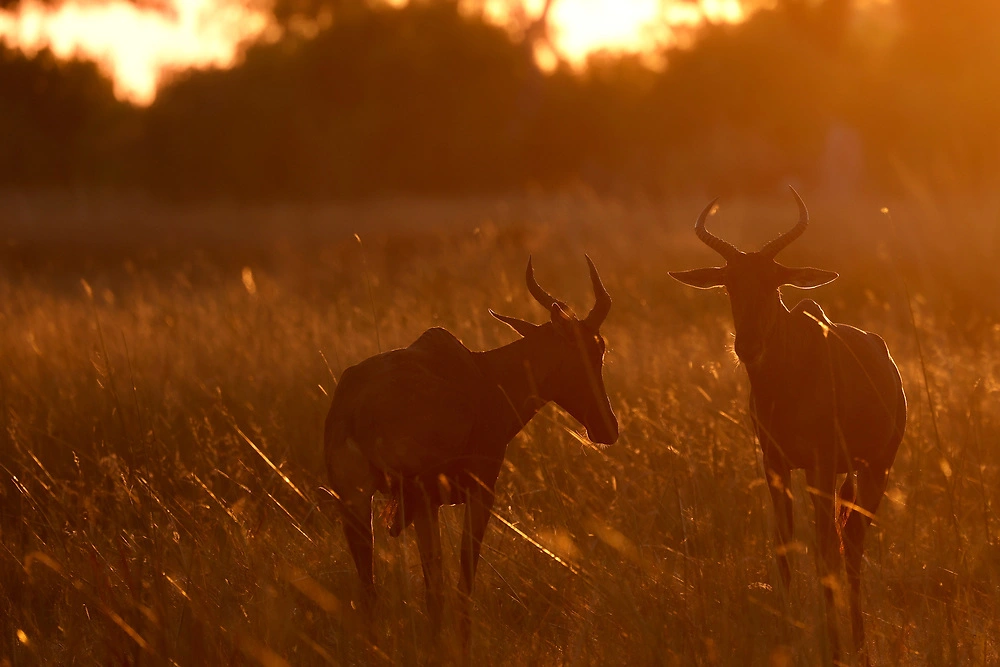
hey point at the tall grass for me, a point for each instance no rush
(165, 375)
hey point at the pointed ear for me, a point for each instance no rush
(806, 277)
(520, 326)
(701, 278)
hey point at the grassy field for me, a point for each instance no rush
(164, 375)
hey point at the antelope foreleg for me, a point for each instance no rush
(778, 483)
(847, 498)
(477, 515)
(425, 522)
(828, 559)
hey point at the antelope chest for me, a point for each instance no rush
(797, 423)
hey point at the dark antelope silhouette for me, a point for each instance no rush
(429, 425)
(824, 396)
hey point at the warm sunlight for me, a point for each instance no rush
(138, 44)
(578, 28)
(134, 43)
(581, 27)
(287, 377)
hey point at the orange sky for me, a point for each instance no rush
(136, 44)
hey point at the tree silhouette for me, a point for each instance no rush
(431, 99)
(63, 124)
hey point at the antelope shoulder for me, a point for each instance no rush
(415, 407)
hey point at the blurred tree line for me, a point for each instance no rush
(428, 99)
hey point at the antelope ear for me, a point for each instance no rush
(701, 278)
(520, 326)
(807, 277)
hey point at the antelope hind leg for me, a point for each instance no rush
(352, 482)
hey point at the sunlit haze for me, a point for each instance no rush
(585, 25)
(136, 44)
(581, 27)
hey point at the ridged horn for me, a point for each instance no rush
(541, 296)
(777, 245)
(602, 306)
(727, 250)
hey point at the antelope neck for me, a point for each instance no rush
(774, 340)
(521, 370)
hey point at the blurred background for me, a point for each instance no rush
(181, 286)
(347, 99)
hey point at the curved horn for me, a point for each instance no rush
(727, 250)
(602, 306)
(782, 242)
(541, 296)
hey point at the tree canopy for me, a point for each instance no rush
(430, 99)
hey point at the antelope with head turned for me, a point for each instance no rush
(429, 425)
(825, 397)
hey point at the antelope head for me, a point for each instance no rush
(575, 350)
(752, 281)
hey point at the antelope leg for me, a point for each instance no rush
(871, 487)
(477, 515)
(828, 560)
(779, 484)
(425, 521)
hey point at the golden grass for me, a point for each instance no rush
(162, 397)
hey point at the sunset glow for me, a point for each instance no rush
(137, 45)
(581, 27)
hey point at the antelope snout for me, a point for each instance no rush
(605, 431)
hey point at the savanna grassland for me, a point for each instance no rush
(165, 372)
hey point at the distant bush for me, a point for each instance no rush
(62, 124)
(417, 99)
(429, 99)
